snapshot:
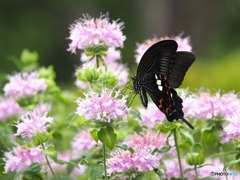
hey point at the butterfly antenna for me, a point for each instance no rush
(127, 64)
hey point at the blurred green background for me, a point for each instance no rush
(214, 28)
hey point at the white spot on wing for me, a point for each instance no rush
(158, 82)
(160, 88)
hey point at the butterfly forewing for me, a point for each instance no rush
(157, 58)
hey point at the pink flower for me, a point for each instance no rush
(42, 109)
(88, 31)
(149, 139)
(207, 106)
(183, 45)
(123, 161)
(232, 130)
(156, 116)
(31, 124)
(82, 141)
(22, 157)
(103, 107)
(9, 108)
(25, 84)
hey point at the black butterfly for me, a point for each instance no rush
(161, 69)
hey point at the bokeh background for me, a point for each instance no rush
(214, 28)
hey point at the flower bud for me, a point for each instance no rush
(28, 57)
(195, 159)
(88, 74)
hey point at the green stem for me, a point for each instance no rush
(104, 161)
(48, 163)
(97, 59)
(178, 153)
(195, 168)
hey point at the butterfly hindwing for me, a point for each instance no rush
(180, 64)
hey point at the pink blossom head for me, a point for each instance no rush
(151, 116)
(42, 109)
(22, 157)
(31, 124)
(9, 108)
(183, 45)
(82, 142)
(104, 107)
(123, 161)
(24, 84)
(149, 139)
(205, 105)
(88, 31)
(232, 130)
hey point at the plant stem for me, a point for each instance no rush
(97, 59)
(48, 163)
(178, 153)
(104, 161)
(195, 168)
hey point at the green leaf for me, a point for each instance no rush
(67, 162)
(227, 165)
(187, 136)
(96, 172)
(198, 146)
(188, 169)
(107, 136)
(50, 152)
(204, 165)
(165, 149)
(39, 139)
(35, 167)
(94, 134)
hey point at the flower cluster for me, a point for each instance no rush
(88, 31)
(156, 117)
(22, 157)
(207, 106)
(123, 161)
(148, 139)
(102, 107)
(183, 45)
(82, 141)
(24, 84)
(31, 124)
(202, 105)
(232, 130)
(9, 108)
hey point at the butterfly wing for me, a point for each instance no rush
(157, 58)
(180, 64)
(164, 97)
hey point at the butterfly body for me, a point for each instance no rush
(161, 69)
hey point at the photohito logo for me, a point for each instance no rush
(224, 173)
